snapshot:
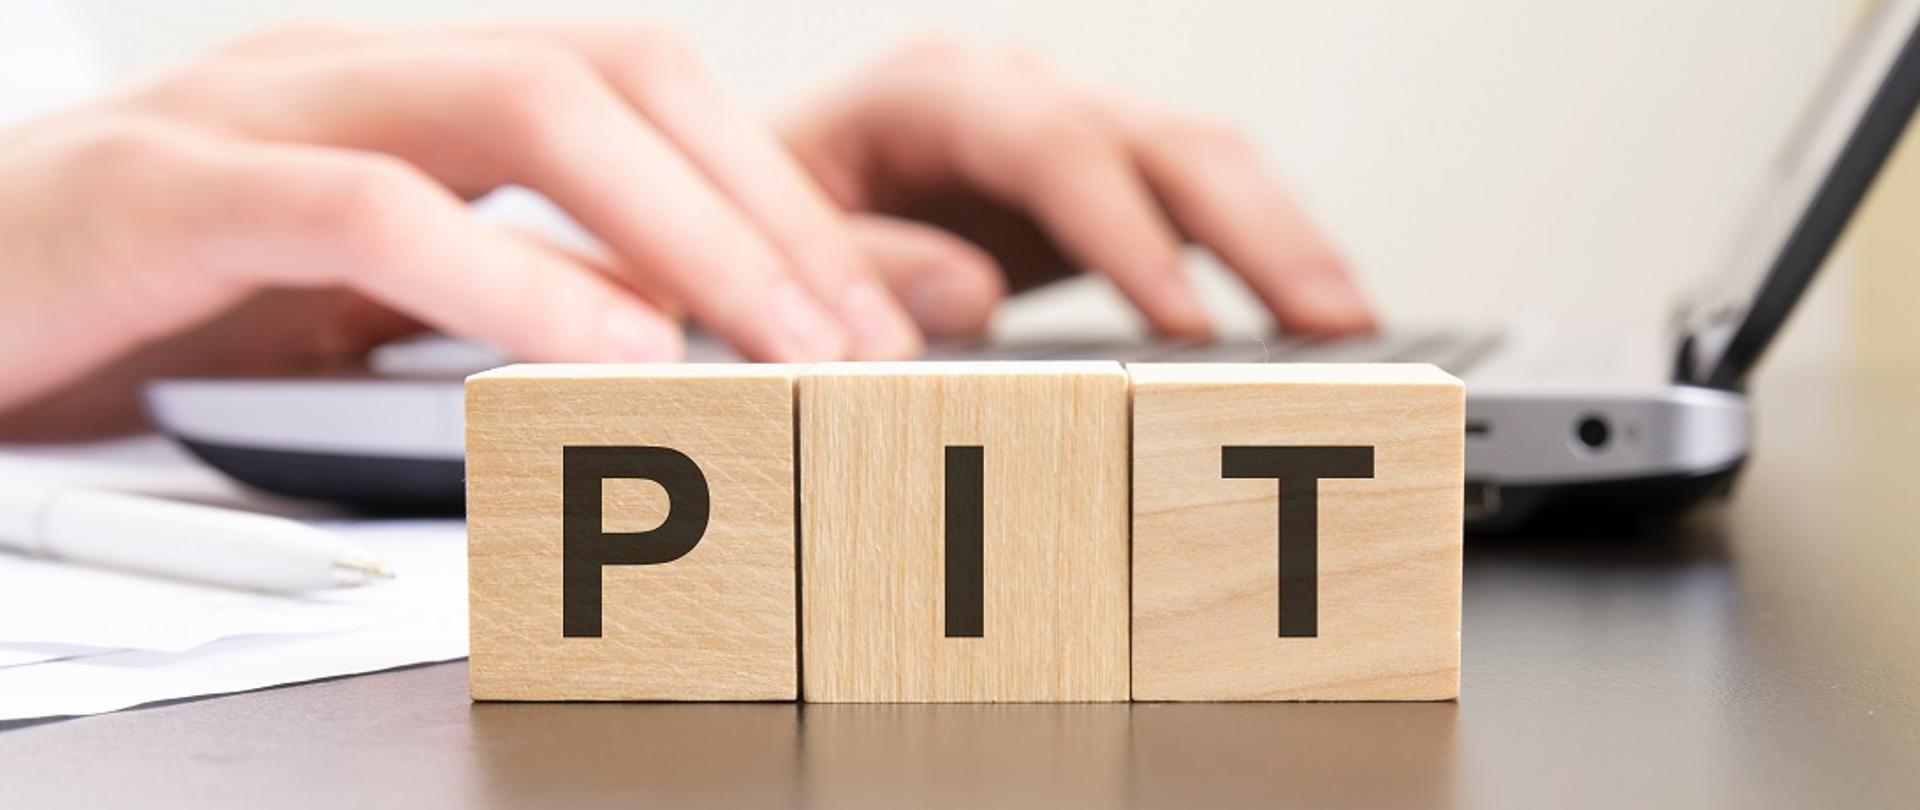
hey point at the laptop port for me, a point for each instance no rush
(1593, 432)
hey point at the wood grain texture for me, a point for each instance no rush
(716, 624)
(1053, 439)
(1205, 547)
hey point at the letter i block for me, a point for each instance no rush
(964, 532)
(1296, 532)
(630, 533)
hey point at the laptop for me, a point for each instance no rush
(393, 440)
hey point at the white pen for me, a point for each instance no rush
(175, 539)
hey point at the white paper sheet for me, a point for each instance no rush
(14, 655)
(52, 602)
(79, 640)
(419, 616)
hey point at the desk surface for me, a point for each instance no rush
(1759, 655)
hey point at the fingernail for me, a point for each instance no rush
(1335, 301)
(880, 329)
(948, 304)
(1183, 315)
(632, 335)
(804, 330)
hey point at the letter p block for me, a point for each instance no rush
(631, 532)
(1296, 532)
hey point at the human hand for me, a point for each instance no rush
(287, 203)
(1045, 175)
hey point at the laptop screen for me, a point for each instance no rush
(1845, 136)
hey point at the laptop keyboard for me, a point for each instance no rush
(1453, 350)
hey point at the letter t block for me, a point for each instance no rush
(630, 532)
(1296, 532)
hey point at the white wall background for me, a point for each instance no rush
(1576, 162)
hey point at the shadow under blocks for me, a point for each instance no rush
(965, 532)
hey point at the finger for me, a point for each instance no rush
(1078, 182)
(480, 115)
(1217, 191)
(298, 37)
(640, 284)
(947, 114)
(309, 216)
(655, 70)
(950, 286)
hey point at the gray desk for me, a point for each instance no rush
(1767, 654)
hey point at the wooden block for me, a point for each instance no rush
(963, 532)
(630, 533)
(1236, 469)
